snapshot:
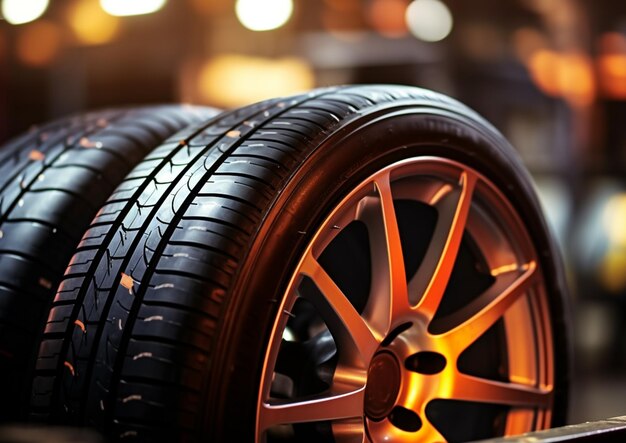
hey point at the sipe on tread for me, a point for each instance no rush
(52, 181)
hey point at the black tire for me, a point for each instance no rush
(161, 325)
(53, 180)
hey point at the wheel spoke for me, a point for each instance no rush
(469, 388)
(331, 407)
(495, 302)
(432, 278)
(428, 432)
(344, 322)
(390, 291)
(398, 288)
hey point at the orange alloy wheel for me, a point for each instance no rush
(451, 338)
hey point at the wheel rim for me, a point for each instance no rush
(452, 315)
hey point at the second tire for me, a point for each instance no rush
(53, 180)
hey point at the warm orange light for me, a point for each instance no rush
(612, 73)
(569, 76)
(38, 43)
(387, 17)
(91, 25)
(612, 65)
(577, 79)
(235, 80)
(544, 66)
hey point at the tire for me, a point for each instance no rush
(53, 180)
(177, 319)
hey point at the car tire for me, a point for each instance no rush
(354, 263)
(53, 180)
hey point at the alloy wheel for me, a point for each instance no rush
(416, 313)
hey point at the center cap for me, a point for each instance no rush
(383, 385)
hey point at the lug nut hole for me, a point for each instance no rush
(426, 362)
(405, 419)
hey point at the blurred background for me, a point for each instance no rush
(550, 74)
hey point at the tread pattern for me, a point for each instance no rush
(131, 331)
(52, 182)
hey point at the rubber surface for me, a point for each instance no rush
(157, 331)
(53, 180)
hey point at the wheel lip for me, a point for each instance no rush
(544, 349)
(445, 128)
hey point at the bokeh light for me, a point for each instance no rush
(613, 263)
(578, 81)
(263, 15)
(91, 25)
(566, 75)
(611, 270)
(612, 220)
(387, 17)
(234, 80)
(39, 43)
(544, 65)
(122, 8)
(612, 70)
(429, 20)
(18, 12)
(612, 65)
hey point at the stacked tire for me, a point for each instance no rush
(364, 263)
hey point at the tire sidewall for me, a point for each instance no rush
(333, 166)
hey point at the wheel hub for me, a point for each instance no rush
(383, 385)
